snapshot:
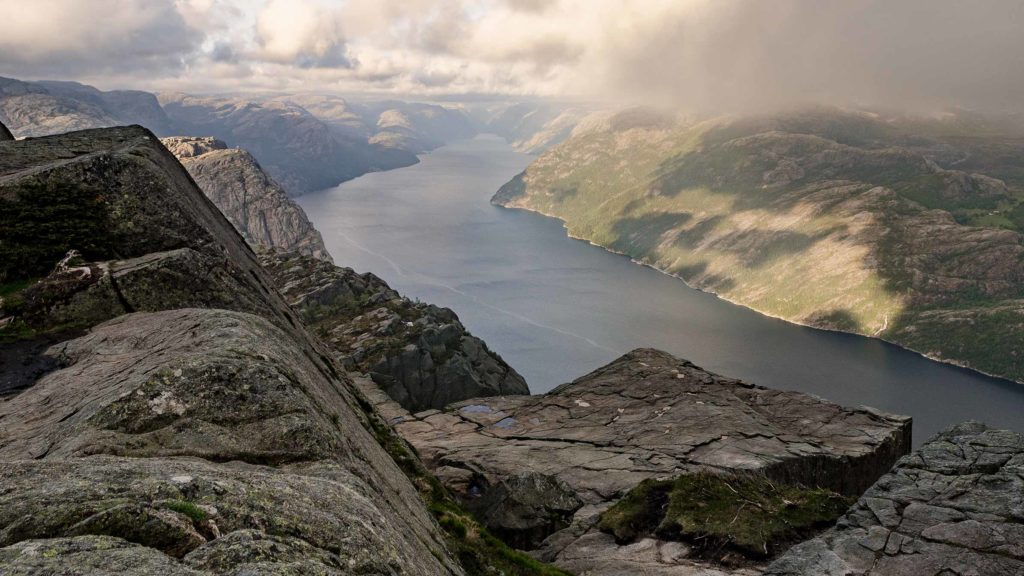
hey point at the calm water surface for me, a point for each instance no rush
(557, 308)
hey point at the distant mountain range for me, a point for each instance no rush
(306, 142)
(906, 229)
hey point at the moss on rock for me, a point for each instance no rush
(747, 514)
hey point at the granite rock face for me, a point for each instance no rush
(250, 199)
(646, 415)
(954, 506)
(116, 448)
(420, 354)
(149, 233)
(189, 424)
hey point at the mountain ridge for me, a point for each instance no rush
(866, 237)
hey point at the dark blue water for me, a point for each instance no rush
(557, 308)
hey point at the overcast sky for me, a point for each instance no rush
(699, 54)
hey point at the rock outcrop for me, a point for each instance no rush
(547, 466)
(954, 506)
(252, 201)
(5, 134)
(201, 428)
(420, 354)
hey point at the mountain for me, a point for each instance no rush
(845, 220)
(41, 108)
(299, 150)
(250, 199)
(410, 126)
(532, 127)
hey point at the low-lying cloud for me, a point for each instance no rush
(691, 54)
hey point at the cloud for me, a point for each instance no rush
(741, 54)
(692, 54)
(302, 33)
(68, 38)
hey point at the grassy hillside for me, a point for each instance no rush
(903, 229)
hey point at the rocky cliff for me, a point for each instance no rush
(542, 469)
(907, 231)
(42, 108)
(250, 199)
(952, 507)
(181, 420)
(419, 354)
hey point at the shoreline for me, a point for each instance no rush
(953, 363)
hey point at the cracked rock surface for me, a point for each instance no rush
(953, 507)
(420, 354)
(645, 415)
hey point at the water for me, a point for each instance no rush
(557, 308)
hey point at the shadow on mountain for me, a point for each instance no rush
(635, 235)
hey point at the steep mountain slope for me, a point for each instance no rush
(5, 134)
(300, 151)
(840, 220)
(419, 354)
(42, 108)
(200, 429)
(256, 205)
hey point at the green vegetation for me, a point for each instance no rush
(195, 513)
(822, 217)
(41, 221)
(748, 514)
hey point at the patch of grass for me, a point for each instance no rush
(747, 514)
(195, 513)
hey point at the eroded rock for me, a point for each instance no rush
(420, 354)
(954, 506)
